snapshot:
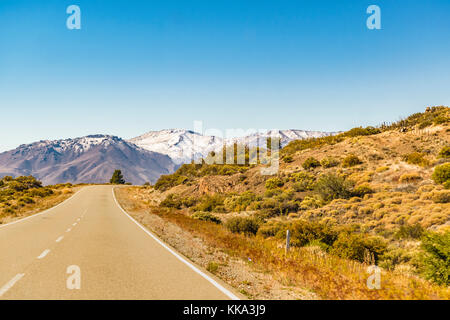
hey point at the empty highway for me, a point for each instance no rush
(89, 248)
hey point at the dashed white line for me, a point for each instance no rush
(68, 230)
(10, 283)
(43, 254)
(74, 224)
(59, 239)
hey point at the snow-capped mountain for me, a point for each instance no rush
(90, 159)
(182, 146)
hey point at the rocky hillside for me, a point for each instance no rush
(368, 194)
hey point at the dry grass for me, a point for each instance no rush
(328, 276)
(39, 205)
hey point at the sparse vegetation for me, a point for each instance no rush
(364, 202)
(351, 161)
(23, 195)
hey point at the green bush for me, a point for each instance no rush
(362, 190)
(273, 229)
(304, 232)
(441, 173)
(303, 181)
(237, 203)
(393, 257)
(331, 186)
(358, 246)
(210, 203)
(416, 158)
(243, 225)
(445, 152)
(408, 231)
(171, 201)
(274, 183)
(310, 163)
(206, 216)
(41, 192)
(26, 200)
(360, 131)
(441, 196)
(435, 260)
(350, 161)
(329, 162)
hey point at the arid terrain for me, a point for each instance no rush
(375, 195)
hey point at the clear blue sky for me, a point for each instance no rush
(137, 66)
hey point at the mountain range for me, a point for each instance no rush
(184, 145)
(93, 158)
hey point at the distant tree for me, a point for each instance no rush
(117, 178)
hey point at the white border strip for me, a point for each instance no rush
(41, 213)
(190, 265)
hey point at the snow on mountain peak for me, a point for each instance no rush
(184, 145)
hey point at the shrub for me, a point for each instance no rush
(210, 203)
(329, 162)
(26, 200)
(272, 229)
(441, 196)
(274, 183)
(441, 173)
(41, 192)
(288, 159)
(358, 246)
(416, 158)
(240, 202)
(350, 161)
(304, 232)
(409, 231)
(206, 216)
(445, 152)
(331, 186)
(212, 267)
(310, 163)
(435, 259)
(243, 225)
(362, 190)
(310, 203)
(360, 131)
(171, 201)
(303, 181)
(410, 177)
(393, 257)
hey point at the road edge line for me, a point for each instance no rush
(227, 292)
(41, 213)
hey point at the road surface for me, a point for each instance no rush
(89, 248)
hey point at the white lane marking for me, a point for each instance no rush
(10, 283)
(43, 254)
(74, 224)
(68, 230)
(78, 219)
(59, 239)
(190, 265)
(43, 212)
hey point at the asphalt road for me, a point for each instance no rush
(89, 248)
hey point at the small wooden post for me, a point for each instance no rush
(288, 239)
